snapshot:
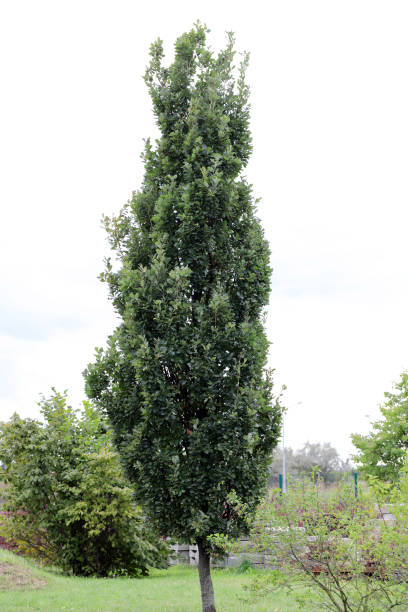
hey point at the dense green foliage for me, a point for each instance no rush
(382, 452)
(68, 501)
(182, 378)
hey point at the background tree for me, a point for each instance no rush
(382, 452)
(67, 501)
(313, 456)
(182, 379)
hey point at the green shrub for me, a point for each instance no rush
(68, 501)
(338, 549)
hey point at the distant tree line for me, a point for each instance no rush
(321, 458)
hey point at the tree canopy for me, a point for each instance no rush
(383, 451)
(183, 377)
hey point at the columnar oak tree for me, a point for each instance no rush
(183, 377)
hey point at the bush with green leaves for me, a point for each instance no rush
(68, 501)
(335, 553)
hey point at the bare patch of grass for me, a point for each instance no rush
(13, 577)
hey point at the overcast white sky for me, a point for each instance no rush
(330, 129)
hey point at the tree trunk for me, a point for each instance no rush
(207, 591)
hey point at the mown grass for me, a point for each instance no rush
(173, 590)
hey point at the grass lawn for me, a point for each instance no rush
(24, 586)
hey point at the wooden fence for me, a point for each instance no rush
(187, 554)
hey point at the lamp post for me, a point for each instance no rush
(284, 487)
(283, 456)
